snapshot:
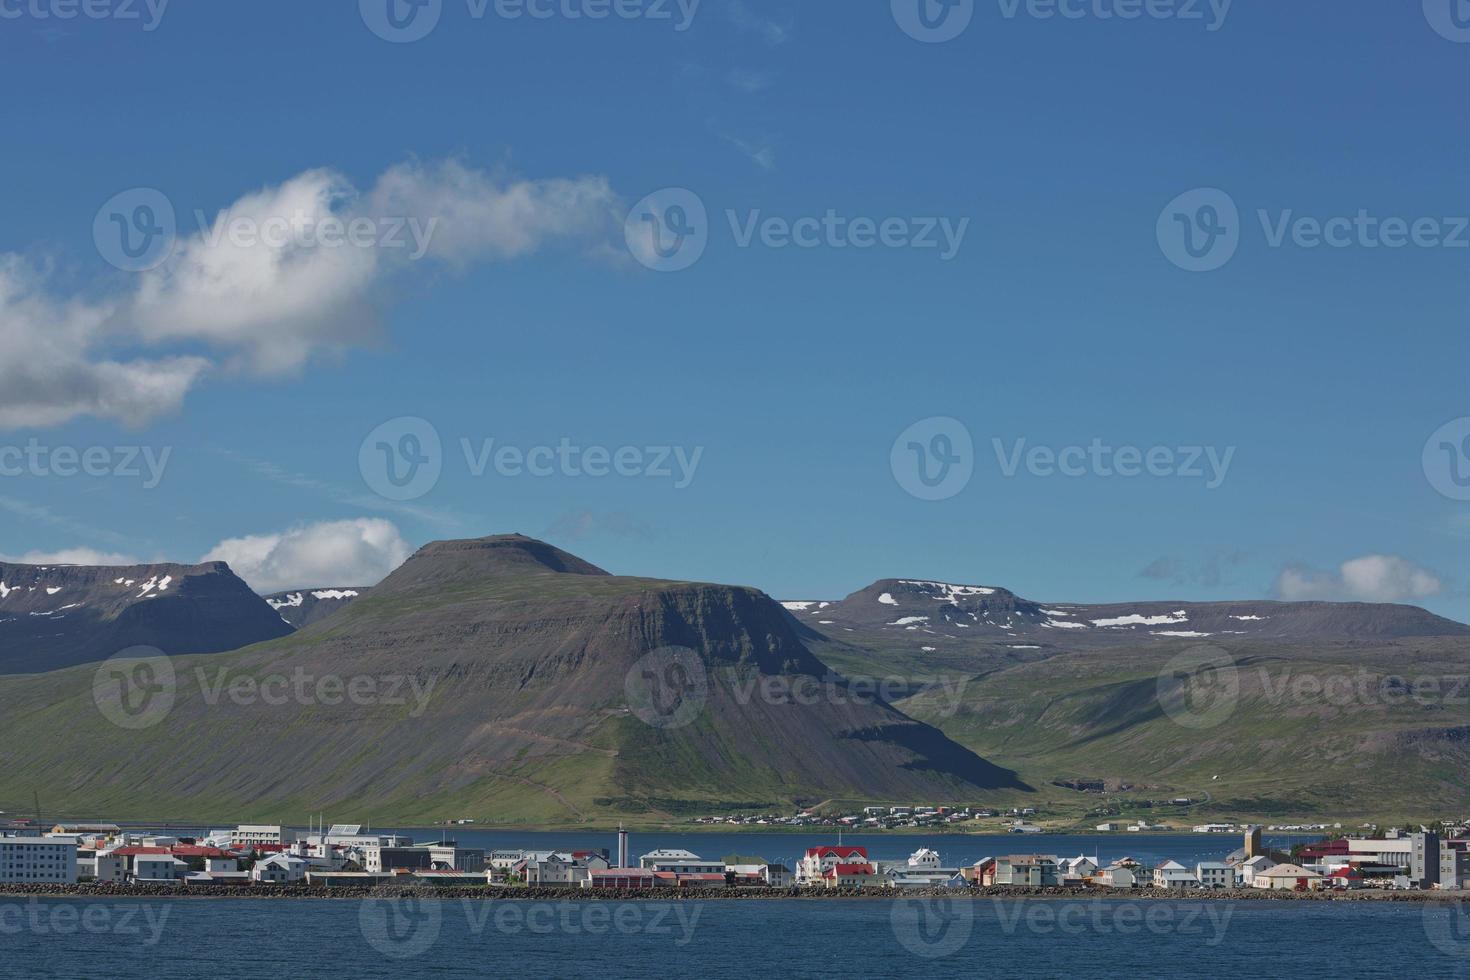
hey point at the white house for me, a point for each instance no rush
(777, 876)
(158, 867)
(1288, 877)
(254, 833)
(1214, 874)
(1251, 867)
(924, 859)
(1118, 876)
(25, 859)
(1076, 869)
(279, 869)
(102, 866)
(1172, 874)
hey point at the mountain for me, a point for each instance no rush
(927, 622)
(1328, 709)
(307, 606)
(59, 615)
(509, 681)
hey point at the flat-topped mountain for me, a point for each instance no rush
(54, 616)
(528, 685)
(925, 609)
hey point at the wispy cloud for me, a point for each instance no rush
(751, 80)
(344, 495)
(585, 524)
(1209, 573)
(42, 514)
(759, 152)
(774, 31)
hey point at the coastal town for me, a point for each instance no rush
(259, 857)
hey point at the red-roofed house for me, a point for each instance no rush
(852, 876)
(819, 860)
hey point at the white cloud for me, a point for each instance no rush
(52, 369)
(275, 279)
(1372, 578)
(332, 553)
(72, 556)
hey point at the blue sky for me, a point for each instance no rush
(1059, 319)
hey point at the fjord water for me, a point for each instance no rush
(192, 938)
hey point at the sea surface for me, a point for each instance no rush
(440, 939)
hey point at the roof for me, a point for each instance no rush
(851, 869)
(829, 850)
(1288, 871)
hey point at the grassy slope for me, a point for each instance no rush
(1284, 751)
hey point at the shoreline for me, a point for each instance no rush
(491, 893)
